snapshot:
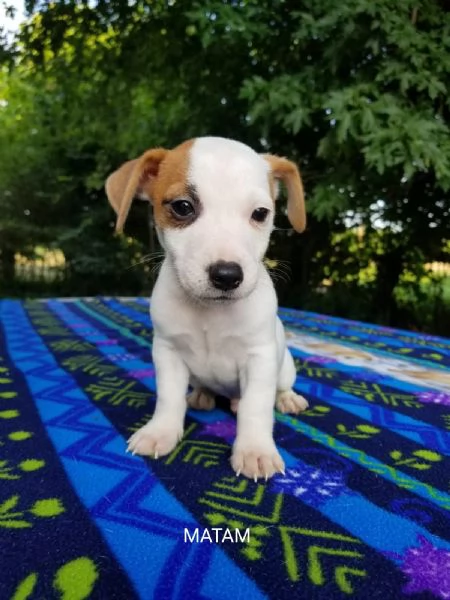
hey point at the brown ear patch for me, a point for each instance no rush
(172, 182)
(149, 177)
(287, 172)
(133, 178)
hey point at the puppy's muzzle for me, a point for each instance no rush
(225, 276)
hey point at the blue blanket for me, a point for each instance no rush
(361, 512)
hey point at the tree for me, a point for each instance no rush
(356, 92)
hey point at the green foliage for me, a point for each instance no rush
(356, 92)
(76, 579)
(50, 507)
(26, 587)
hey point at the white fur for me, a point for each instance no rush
(236, 346)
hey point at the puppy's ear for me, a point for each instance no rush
(133, 178)
(286, 171)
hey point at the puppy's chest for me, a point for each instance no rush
(214, 355)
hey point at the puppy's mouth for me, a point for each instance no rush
(222, 298)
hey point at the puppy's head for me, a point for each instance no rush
(213, 201)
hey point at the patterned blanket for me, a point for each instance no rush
(362, 511)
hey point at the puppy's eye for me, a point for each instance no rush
(182, 209)
(260, 214)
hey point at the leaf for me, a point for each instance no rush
(51, 507)
(421, 466)
(8, 395)
(367, 429)
(14, 524)
(235, 524)
(295, 120)
(396, 454)
(9, 504)
(76, 579)
(341, 428)
(251, 553)
(31, 464)
(9, 414)
(254, 542)
(343, 127)
(428, 455)
(260, 530)
(25, 587)
(19, 436)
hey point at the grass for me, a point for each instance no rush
(446, 289)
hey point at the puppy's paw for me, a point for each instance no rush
(256, 459)
(234, 404)
(155, 439)
(290, 402)
(201, 399)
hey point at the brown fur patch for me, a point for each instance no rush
(286, 171)
(272, 186)
(154, 176)
(171, 182)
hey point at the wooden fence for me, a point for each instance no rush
(439, 268)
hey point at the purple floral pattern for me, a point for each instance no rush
(434, 398)
(109, 342)
(428, 569)
(121, 357)
(223, 429)
(321, 360)
(310, 484)
(142, 373)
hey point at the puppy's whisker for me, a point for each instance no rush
(282, 267)
(155, 269)
(148, 258)
(279, 275)
(283, 262)
(282, 276)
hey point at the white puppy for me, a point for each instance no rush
(214, 307)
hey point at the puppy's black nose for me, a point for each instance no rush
(225, 275)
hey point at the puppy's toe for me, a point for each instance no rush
(201, 399)
(154, 439)
(256, 461)
(234, 403)
(290, 402)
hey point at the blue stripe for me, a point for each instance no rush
(349, 330)
(324, 321)
(130, 312)
(374, 351)
(398, 423)
(405, 531)
(437, 438)
(142, 555)
(397, 477)
(367, 521)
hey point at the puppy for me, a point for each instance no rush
(214, 308)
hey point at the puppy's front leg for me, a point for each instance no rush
(160, 435)
(254, 451)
